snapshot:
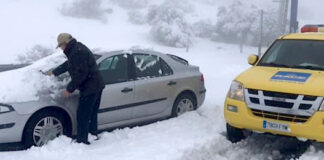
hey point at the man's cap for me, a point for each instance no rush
(63, 38)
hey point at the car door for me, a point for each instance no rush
(119, 90)
(153, 85)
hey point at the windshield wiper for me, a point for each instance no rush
(272, 64)
(308, 67)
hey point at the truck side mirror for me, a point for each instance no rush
(253, 59)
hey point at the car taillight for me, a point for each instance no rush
(309, 29)
(202, 79)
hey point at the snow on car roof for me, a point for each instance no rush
(26, 84)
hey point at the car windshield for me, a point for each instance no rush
(303, 54)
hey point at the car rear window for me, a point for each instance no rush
(178, 59)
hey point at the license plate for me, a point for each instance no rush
(276, 126)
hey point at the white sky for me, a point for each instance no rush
(311, 12)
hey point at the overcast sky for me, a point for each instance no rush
(311, 12)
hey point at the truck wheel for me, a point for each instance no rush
(234, 134)
(42, 128)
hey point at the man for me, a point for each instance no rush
(86, 77)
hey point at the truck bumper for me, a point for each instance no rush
(312, 129)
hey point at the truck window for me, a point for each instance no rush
(302, 54)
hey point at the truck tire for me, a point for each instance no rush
(234, 134)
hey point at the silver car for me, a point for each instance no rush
(141, 86)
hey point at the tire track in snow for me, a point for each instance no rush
(256, 147)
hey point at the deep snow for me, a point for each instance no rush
(195, 135)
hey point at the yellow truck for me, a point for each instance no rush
(282, 93)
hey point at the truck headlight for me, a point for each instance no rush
(236, 91)
(5, 108)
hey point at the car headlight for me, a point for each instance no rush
(236, 91)
(5, 108)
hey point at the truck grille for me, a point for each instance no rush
(280, 116)
(286, 105)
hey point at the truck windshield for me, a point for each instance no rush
(302, 54)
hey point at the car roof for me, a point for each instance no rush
(130, 51)
(175, 65)
(304, 36)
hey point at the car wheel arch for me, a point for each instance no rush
(187, 92)
(66, 115)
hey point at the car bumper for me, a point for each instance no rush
(11, 127)
(201, 97)
(312, 129)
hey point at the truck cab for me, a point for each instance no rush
(282, 92)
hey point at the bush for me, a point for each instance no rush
(35, 53)
(89, 9)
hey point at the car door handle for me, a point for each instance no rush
(126, 90)
(171, 83)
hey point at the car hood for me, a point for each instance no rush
(29, 84)
(287, 80)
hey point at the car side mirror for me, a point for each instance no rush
(253, 59)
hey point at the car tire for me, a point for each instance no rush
(182, 104)
(45, 124)
(234, 134)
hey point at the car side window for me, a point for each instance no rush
(114, 69)
(147, 66)
(150, 66)
(105, 64)
(166, 69)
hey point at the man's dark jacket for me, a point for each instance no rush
(82, 68)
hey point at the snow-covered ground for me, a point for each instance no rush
(198, 135)
(170, 139)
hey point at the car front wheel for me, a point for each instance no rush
(42, 128)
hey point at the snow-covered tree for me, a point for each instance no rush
(132, 4)
(85, 9)
(35, 53)
(137, 17)
(270, 27)
(169, 25)
(204, 29)
(235, 23)
(239, 23)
